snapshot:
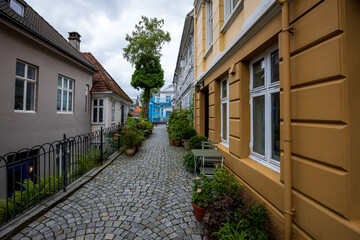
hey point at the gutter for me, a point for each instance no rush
(288, 210)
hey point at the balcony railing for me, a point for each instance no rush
(30, 176)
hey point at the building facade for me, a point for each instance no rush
(44, 80)
(161, 105)
(184, 72)
(110, 105)
(283, 104)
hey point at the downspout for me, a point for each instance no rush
(288, 210)
(195, 67)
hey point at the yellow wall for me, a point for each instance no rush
(325, 117)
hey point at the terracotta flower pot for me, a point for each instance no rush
(199, 212)
(186, 144)
(172, 142)
(177, 143)
(130, 151)
(116, 137)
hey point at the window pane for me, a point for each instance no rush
(19, 94)
(101, 114)
(95, 115)
(224, 121)
(59, 81)
(64, 104)
(234, 2)
(275, 126)
(101, 102)
(224, 89)
(20, 69)
(16, 7)
(31, 73)
(65, 83)
(275, 66)
(258, 73)
(70, 102)
(30, 96)
(70, 84)
(58, 100)
(259, 125)
(95, 102)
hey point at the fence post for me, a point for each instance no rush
(64, 147)
(119, 131)
(101, 145)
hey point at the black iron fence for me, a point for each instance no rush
(30, 176)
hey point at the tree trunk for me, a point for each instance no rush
(146, 110)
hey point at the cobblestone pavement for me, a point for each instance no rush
(146, 196)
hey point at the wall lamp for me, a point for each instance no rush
(197, 87)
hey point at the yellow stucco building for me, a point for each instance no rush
(279, 90)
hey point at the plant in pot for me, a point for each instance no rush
(177, 139)
(130, 140)
(195, 141)
(116, 136)
(186, 134)
(202, 196)
(171, 140)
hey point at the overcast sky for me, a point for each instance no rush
(103, 25)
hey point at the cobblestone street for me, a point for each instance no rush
(146, 196)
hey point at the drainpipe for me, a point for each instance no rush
(288, 211)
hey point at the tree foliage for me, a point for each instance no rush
(148, 39)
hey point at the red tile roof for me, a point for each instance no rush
(102, 81)
(136, 112)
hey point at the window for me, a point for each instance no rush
(224, 111)
(168, 99)
(87, 98)
(98, 110)
(229, 7)
(113, 111)
(25, 87)
(65, 94)
(17, 7)
(209, 24)
(265, 109)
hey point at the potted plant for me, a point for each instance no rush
(202, 196)
(186, 134)
(116, 137)
(177, 139)
(171, 140)
(130, 140)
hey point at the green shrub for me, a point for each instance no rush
(195, 141)
(225, 184)
(255, 223)
(131, 122)
(132, 137)
(228, 232)
(148, 126)
(188, 133)
(188, 162)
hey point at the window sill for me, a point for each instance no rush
(208, 51)
(66, 113)
(232, 16)
(264, 163)
(23, 111)
(97, 123)
(225, 144)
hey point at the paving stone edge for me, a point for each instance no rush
(16, 225)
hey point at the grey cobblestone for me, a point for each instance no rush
(145, 196)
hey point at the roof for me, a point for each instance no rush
(102, 81)
(33, 23)
(136, 112)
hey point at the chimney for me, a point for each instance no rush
(74, 40)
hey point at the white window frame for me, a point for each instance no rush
(209, 24)
(26, 80)
(224, 142)
(113, 104)
(266, 91)
(87, 98)
(62, 88)
(98, 111)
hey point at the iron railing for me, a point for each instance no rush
(29, 176)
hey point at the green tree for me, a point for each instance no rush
(148, 38)
(143, 50)
(148, 75)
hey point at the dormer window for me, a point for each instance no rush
(17, 7)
